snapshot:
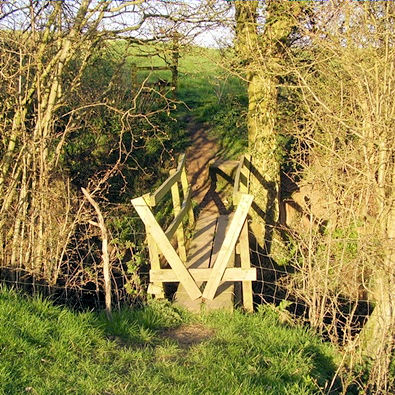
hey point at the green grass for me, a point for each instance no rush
(207, 90)
(215, 97)
(51, 350)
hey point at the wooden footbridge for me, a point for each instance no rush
(208, 266)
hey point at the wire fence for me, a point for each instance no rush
(302, 287)
(324, 294)
(76, 277)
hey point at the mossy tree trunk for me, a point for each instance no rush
(261, 56)
(377, 339)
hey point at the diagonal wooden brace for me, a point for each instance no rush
(166, 248)
(228, 246)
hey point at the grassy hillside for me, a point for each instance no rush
(157, 349)
(207, 91)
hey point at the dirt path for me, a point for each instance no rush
(203, 149)
(202, 248)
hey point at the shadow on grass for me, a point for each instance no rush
(50, 348)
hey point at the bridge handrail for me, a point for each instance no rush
(160, 241)
(186, 205)
(180, 210)
(242, 178)
(156, 197)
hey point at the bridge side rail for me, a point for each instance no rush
(219, 271)
(235, 239)
(242, 178)
(241, 186)
(180, 210)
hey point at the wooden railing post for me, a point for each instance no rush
(163, 243)
(175, 193)
(245, 172)
(228, 246)
(156, 288)
(242, 178)
(246, 264)
(185, 188)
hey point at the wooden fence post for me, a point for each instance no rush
(175, 55)
(175, 193)
(228, 246)
(245, 172)
(155, 288)
(246, 264)
(185, 187)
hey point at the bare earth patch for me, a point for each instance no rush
(203, 150)
(188, 335)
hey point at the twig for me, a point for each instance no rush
(105, 256)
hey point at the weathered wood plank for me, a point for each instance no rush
(236, 185)
(199, 275)
(186, 191)
(220, 232)
(175, 194)
(245, 265)
(160, 193)
(198, 257)
(180, 216)
(166, 248)
(156, 288)
(201, 244)
(228, 246)
(152, 68)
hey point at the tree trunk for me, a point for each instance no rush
(377, 336)
(261, 56)
(265, 180)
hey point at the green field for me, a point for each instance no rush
(47, 349)
(207, 91)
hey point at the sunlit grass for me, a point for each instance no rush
(51, 350)
(207, 90)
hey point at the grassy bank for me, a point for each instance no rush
(207, 91)
(157, 349)
(216, 97)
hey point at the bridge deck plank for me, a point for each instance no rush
(209, 235)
